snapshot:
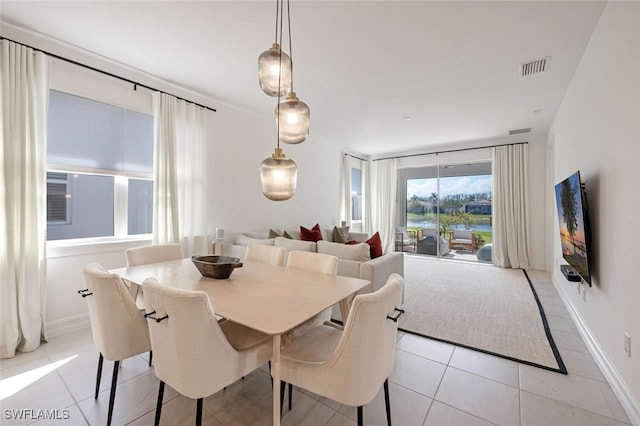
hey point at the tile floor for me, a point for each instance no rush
(432, 384)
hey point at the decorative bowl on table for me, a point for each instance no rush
(219, 267)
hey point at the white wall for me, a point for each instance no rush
(595, 131)
(237, 143)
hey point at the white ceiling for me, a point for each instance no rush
(361, 66)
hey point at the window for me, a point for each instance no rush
(356, 195)
(99, 169)
(447, 197)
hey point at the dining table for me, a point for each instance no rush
(270, 299)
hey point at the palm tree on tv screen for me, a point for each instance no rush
(569, 210)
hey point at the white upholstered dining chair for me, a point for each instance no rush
(194, 353)
(271, 255)
(150, 254)
(316, 262)
(349, 366)
(118, 327)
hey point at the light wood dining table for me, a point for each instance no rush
(266, 298)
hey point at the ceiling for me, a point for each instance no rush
(453, 67)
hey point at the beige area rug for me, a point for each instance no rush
(480, 307)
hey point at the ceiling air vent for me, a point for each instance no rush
(534, 67)
(519, 131)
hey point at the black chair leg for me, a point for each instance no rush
(290, 395)
(150, 357)
(360, 415)
(112, 396)
(199, 412)
(156, 422)
(99, 376)
(282, 388)
(386, 401)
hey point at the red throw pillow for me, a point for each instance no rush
(375, 245)
(314, 234)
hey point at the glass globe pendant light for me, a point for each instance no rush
(274, 71)
(293, 116)
(278, 173)
(279, 176)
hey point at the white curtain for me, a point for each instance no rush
(345, 198)
(384, 178)
(179, 201)
(366, 198)
(24, 79)
(510, 213)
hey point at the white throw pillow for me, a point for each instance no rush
(245, 240)
(359, 252)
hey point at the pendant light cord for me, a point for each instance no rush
(290, 46)
(277, 15)
(279, 76)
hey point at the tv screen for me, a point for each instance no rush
(575, 235)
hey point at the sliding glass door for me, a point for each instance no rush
(449, 205)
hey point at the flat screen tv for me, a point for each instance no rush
(575, 232)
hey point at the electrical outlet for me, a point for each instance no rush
(627, 343)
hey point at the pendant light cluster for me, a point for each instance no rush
(275, 71)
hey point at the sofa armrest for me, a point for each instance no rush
(378, 270)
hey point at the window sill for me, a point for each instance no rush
(69, 248)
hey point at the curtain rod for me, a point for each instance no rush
(353, 156)
(135, 83)
(451, 150)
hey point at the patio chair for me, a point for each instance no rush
(405, 238)
(462, 237)
(432, 243)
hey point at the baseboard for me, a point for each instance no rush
(67, 325)
(610, 373)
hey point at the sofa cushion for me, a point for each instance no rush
(314, 234)
(245, 239)
(375, 245)
(349, 268)
(341, 235)
(298, 245)
(358, 252)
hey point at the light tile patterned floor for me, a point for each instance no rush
(432, 384)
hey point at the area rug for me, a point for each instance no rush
(480, 307)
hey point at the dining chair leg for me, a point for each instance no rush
(282, 388)
(112, 396)
(199, 412)
(99, 375)
(156, 422)
(387, 404)
(290, 395)
(360, 415)
(150, 357)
